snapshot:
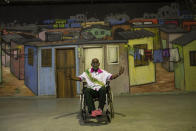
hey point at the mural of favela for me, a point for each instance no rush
(45, 44)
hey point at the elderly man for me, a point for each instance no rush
(96, 79)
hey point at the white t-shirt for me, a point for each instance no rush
(100, 75)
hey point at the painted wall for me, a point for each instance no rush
(31, 72)
(5, 57)
(17, 65)
(179, 70)
(46, 75)
(141, 74)
(190, 71)
(121, 84)
(21, 62)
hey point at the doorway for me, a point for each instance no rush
(65, 64)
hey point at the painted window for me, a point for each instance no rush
(137, 23)
(113, 54)
(46, 55)
(139, 58)
(147, 22)
(96, 32)
(164, 44)
(192, 58)
(30, 56)
(102, 32)
(186, 27)
(193, 27)
(3, 53)
(15, 54)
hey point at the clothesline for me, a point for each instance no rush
(157, 55)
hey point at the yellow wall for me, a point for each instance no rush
(190, 71)
(157, 44)
(141, 74)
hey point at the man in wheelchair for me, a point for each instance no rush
(96, 80)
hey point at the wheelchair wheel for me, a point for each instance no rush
(110, 101)
(108, 115)
(83, 112)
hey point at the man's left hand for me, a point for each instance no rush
(121, 70)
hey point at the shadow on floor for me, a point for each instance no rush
(98, 121)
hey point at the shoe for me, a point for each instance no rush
(98, 112)
(93, 114)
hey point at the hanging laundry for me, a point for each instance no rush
(157, 56)
(137, 55)
(174, 55)
(141, 52)
(131, 51)
(148, 54)
(166, 52)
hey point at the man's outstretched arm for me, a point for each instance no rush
(75, 78)
(121, 70)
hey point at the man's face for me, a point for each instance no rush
(95, 64)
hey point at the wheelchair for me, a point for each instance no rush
(108, 109)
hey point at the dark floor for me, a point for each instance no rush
(168, 112)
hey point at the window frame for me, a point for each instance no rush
(191, 55)
(96, 32)
(30, 56)
(102, 32)
(143, 58)
(44, 62)
(15, 53)
(118, 55)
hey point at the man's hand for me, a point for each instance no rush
(121, 70)
(70, 77)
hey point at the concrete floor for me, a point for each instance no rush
(165, 112)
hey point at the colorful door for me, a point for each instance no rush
(90, 53)
(65, 64)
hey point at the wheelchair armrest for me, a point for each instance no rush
(84, 84)
(107, 83)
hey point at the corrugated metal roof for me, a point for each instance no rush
(7, 38)
(185, 39)
(147, 26)
(125, 35)
(28, 28)
(74, 42)
(172, 28)
(53, 43)
(24, 40)
(100, 41)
